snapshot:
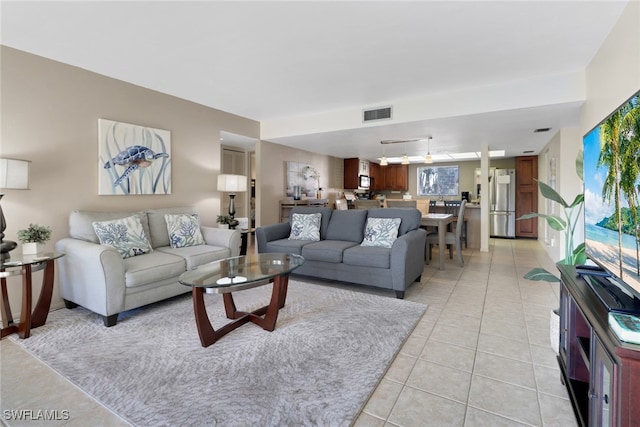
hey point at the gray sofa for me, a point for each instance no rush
(97, 277)
(339, 254)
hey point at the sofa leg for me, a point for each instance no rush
(400, 294)
(110, 320)
(70, 304)
(418, 279)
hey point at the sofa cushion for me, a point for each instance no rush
(195, 256)
(158, 226)
(81, 223)
(326, 216)
(367, 256)
(381, 232)
(184, 230)
(305, 226)
(347, 225)
(124, 234)
(410, 217)
(287, 246)
(152, 267)
(326, 250)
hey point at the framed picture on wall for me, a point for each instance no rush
(133, 159)
(438, 181)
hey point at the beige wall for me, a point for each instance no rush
(271, 179)
(50, 115)
(612, 76)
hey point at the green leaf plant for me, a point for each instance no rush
(566, 222)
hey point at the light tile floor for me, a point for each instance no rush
(480, 356)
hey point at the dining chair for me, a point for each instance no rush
(341, 205)
(423, 206)
(451, 238)
(453, 207)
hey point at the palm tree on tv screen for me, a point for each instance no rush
(619, 152)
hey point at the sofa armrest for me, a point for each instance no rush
(91, 275)
(407, 258)
(224, 237)
(269, 233)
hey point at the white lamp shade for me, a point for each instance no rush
(14, 174)
(232, 183)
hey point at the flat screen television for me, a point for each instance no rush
(611, 211)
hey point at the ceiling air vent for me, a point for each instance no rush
(542, 130)
(383, 113)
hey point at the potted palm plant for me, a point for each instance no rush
(574, 255)
(33, 238)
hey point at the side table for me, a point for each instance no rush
(25, 265)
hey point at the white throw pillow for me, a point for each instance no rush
(125, 234)
(381, 232)
(305, 226)
(184, 230)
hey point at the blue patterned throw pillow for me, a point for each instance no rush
(184, 230)
(381, 232)
(305, 226)
(125, 234)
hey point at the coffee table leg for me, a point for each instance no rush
(278, 297)
(205, 330)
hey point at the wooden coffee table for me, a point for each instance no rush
(237, 274)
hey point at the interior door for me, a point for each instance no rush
(234, 162)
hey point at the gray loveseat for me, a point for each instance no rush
(97, 277)
(339, 254)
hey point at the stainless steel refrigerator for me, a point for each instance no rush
(502, 202)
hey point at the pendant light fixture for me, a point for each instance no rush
(383, 159)
(428, 159)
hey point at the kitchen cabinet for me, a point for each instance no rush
(396, 177)
(353, 168)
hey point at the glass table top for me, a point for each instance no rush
(18, 259)
(241, 271)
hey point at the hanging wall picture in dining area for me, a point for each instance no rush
(303, 180)
(133, 159)
(438, 181)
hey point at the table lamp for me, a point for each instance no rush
(14, 175)
(232, 184)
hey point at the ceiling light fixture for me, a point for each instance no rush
(383, 159)
(405, 160)
(428, 159)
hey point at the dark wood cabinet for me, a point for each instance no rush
(353, 168)
(526, 195)
(376, 178)
(396, 177)
(601, 373)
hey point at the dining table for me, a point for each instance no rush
(441, 221)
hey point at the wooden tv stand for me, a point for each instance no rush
(601, 373)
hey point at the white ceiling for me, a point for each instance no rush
(301, 68)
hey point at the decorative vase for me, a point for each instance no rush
(223, 225)
(32, 248)
(296, 192)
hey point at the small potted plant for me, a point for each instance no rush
(33, 238)
(224, 221)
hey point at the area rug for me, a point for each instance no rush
(328, 352)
